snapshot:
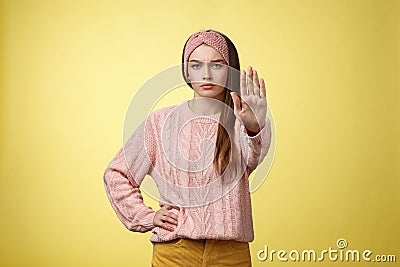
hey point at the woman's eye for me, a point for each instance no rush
(217, 66)
(195, 66)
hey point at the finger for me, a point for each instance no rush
(243, 83)
(171, 220)
(250, 80)
(166, 227)
(172, 215)
(263, 90)
(236, 102)
(170, 207)
(256, 83)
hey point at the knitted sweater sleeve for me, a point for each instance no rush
(258, 146)
(123, 177)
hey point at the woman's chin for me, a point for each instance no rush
(210, 93)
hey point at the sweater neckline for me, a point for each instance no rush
(191, 113)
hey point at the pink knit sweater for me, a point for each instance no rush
(175, 147)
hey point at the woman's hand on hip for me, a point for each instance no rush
(164, 218)
(251, 107)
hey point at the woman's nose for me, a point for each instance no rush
(207, 73)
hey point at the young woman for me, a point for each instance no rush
(200, 154)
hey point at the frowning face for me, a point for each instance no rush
(208, 72)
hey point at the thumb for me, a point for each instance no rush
(236, 102)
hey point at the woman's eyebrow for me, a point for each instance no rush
(200, 61)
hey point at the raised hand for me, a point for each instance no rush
(251, 107)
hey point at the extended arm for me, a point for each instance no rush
(251, 110)
(258, 145)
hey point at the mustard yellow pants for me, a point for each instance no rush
(200, 253)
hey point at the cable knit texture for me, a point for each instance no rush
(175, 146)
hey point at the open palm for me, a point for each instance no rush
(251, 107)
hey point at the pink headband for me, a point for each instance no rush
(211, 38)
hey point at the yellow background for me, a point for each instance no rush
(70, 68)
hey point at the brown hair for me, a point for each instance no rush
(223, 146)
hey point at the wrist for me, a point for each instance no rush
(252, 132)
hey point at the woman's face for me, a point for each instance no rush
(207, 72)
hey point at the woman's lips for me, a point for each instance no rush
(207, 85)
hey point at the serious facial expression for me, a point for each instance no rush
(208, 72)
